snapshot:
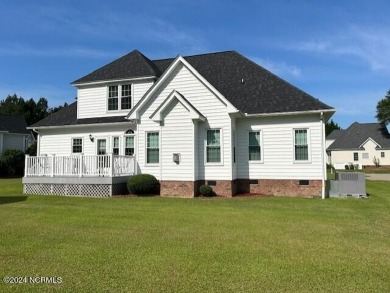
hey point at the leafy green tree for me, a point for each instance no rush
(383, 109)
(330, 126)
(31, 110)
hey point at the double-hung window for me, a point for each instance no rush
(126, 96)
(129, 145)
(254, 146)
(356, 157)
(301, 145)
(152, 148)
(213, 146)
(113, 97)
(77, 145)
(119, 97)
(115, 146)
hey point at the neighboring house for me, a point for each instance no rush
(14, 133)
(331, 139)
(217, 119)
(359, 144)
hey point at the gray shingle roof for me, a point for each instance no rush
(134, 64)
(248, 86)
(357, 133)
(262, 91)
(13, 124)
(335, 134)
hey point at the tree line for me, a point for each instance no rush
(31, 110)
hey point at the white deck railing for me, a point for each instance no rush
(80, 166)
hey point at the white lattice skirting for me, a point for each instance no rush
(80, 189)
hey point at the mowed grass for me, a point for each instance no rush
(142, 244)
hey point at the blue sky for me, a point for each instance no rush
(337, 51)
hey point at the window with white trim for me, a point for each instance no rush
(301, 145)
(382, 154)
(254, 147)
(126, 96)
(129, 145)
(365, 156)
(356, 157)
(119, 97)
(113, 97)
(115, 145)
(77, 145)
(152, 148)
(213, 146)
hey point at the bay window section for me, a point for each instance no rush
(129, 145)
(152, 148)
(115, 146)
(213, 146)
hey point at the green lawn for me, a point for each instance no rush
(157, 244)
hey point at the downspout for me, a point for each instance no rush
(323, 194)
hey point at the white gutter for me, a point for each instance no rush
(291, 113)
(112, 81)
(76, 125)
(323, 195)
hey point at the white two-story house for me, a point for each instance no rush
(217, 119)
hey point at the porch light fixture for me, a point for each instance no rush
(91, 137)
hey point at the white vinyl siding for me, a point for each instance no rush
(59, 141)
(92, 100)
(201, 98)
(277, 140)
(177, 138)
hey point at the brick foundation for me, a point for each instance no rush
(224, 188)
(279, 187)
(228, 188)
(177, 188)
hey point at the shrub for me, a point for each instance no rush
(32, 149)
(143, 184)
(376, 162)
(346, 167)
(12, 162)
(206, 190)
(351, 167)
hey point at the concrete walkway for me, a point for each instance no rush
(383, 177)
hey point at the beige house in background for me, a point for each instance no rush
(360, 144)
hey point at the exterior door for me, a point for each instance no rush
(103, 161)
(101, 146)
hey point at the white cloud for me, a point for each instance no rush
(278, 68)
(371, 44)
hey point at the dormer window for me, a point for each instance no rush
(122, 93)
